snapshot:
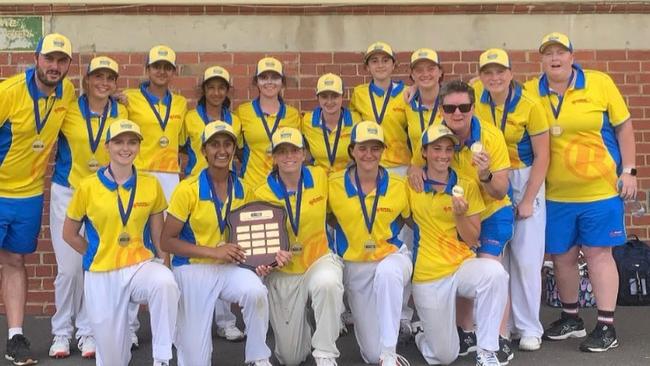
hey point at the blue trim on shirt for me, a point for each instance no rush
(395, 228)
(6, 138)
(191, 157)
(62, 162)
(109, 184)
(316, 119)
(92, 238)
(579, 83)
(516, 97)
(258, 109)
(611, 143)
(351, 190)
(397, 88)
(246, 155)
(451, 182)
(474, 133)
(152, 98)
(416, 242)
(274, 184)
(525, 149)
(226, 116)
(33, 90)
(187, 235)
(341, 241)
(205, 194)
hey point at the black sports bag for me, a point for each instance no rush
(633, 263)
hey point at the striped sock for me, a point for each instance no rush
(570, 309)
(606, 317)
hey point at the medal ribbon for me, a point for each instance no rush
(560, 98)
(506, 109)
(331, 154)
(434, 111)
(294, 220)
(362, 200)
(278, 118)
(218, 206)
(168, 105)
(380, 117)
(124, 215)
(37, 114)
(93, 140)
(203, 113)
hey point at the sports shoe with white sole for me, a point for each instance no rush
(231, 333)
(566, 327)
(392, 359)
(135, 344)
(486, 358)
(60, 347)
(529, 343)
(602, 338)
(87, 346)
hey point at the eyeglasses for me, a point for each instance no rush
(451, 108)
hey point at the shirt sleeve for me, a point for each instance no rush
(498, 150)
(537, 121)
(473, 198)
(180, 204)
(77, 207)
(616, 107)
(6, 102)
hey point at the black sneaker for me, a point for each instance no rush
(602, 338)
(565, 327)
(467, 342)
(18, 351)
(504, 354)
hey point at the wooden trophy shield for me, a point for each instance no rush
(259, 228)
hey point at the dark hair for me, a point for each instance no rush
(201, 88)
(284, 80)
(442, 74)
(456, 86)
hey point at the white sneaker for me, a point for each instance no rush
(528, 343)
(325, 361)
(134, 342)
(87, 346)
(393, 359)
(264, 362)
(60, 347)
(231, 333)
(486, 358)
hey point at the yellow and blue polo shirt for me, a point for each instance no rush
(393, 121)
(256, 144)
(22, 170)
(315, 133)
(419, 118)
(311, 242)
(525, 118)
(73, 150)
(192, 204)
(195, 122)
(585, 157)
(94, 203)
(351, 232)
(152, 156)
(495, 145)
(437, 249)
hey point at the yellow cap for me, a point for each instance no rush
(329, 82)
(217, 127)
(161, 53)
(54, 42)
(556, 38)
(495, 56)
(424, 54)
(103, 62)
(378, 47)
(287, 135)
(367, 131)
(122, 126)
(216, 72)
(436, 132)
(269, 64)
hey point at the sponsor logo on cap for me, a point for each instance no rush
(378, 47)
(329, 82)
(285, 135)
(373, 130)
(219, 128)
(58, 42)
(126, 125)
(269, 64)
(423, 54)
(553, 38)
(492, 56)
(162, 53)
(105, 62)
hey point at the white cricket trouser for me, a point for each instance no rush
(202, 286)
(524, 258)
(481, 279)
(406, 236)
(223, 316)
(108, 295)
(289, 295)
(375, 292)
(69, 282)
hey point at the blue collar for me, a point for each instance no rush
(112, 185)
(351, 190)
(451, 182)
(578, 83)
(84, 107)
(204, 186)
(152, 98)
(414, 105)
(274, 184)
(474, 133)
(516, 97)
(397, 88)
(226, 116)
(316, 120)
(258, 109)
(34, 91)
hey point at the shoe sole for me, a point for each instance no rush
(596, 350)
(575, 334)
(235, 340)
(504, 363)
(59, 355)
(530, 349)
(472, 349)
(88, 355)
(25, 363)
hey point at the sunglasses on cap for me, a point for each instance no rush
(451, 108)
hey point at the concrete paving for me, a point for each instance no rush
(632, 325)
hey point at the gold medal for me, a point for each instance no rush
(93, 165)
(370, 245)
(269, 150)
(124, 239)
(457, 191)
(163, 142)
(38, 145)
(296, 249)
(476, 147)
(556, 130)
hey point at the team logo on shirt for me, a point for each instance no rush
(316, 200)
(385, 209)
(141, 204)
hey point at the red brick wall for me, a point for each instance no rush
(629, 68)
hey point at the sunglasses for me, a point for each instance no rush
(451, 108)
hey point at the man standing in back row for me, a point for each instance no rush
(32, 107)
